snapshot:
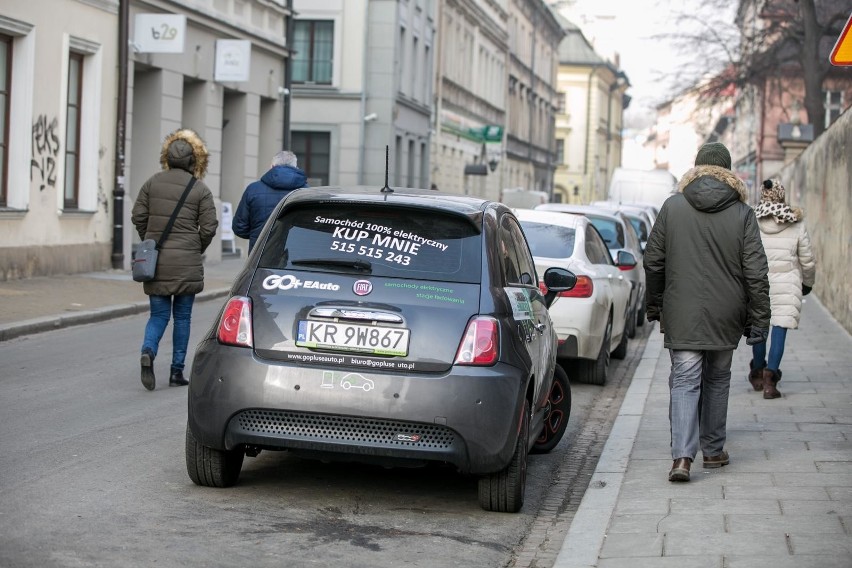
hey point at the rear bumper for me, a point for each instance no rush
(467, 417)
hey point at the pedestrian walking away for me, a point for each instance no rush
(180, 272)
(792, 270)
(262, 196)
(706, 277)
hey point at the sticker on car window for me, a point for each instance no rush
(376, 241)
(519, 299)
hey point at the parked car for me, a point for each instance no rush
(619, 235)
(385, 326)
(591, 318)
(640, 217)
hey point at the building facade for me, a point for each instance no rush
(471, 86)
(534, 36)
(57, 99)
(362, 91)
(226, 81)
(216, 66)
(591, 98)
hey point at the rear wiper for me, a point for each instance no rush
(361, 265)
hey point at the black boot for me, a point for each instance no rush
(176, 379)
(147, 362)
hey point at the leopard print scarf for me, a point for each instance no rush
(772, 204)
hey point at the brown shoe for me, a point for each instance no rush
(770, 379)
(680, 469)
(717, 461)
(755, 377)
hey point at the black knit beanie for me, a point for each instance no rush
(713, 154)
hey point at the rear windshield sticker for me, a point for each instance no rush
(519, 298)
(428, 292)
(290, 282)
(371, 240)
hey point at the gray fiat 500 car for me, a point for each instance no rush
(389, 326)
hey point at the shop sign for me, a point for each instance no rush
(159, 33)
(233, 60)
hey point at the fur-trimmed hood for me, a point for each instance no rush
(725, 176)
(184, 149)
(712, 188)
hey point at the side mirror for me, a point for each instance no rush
(557, 280)
(625, 259)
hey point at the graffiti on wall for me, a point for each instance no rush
(45, 151)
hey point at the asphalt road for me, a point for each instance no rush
(92, 473)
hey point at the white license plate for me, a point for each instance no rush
(351, 337)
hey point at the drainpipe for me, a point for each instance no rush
(120, 132)
(288, 76)
(362, 124)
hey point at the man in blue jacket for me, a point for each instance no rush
(261, 197)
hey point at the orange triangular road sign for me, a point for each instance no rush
(842, 52)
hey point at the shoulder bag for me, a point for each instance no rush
(145, 259)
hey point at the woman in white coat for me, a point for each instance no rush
(792, 270)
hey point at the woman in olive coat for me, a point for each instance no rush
(180, 272)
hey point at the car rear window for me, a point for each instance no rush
(611, 231)
(549, 241)
(639, 225)
(380, 241)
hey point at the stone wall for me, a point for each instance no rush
(820, 182)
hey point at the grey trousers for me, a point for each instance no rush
(699, 384)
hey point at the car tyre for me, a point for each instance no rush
(640, 314)
(630, 324)
(594, 372)
(209, 467)
(621, 351)
(503, 491)
(556, 421)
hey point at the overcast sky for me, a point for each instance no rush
(628, 27)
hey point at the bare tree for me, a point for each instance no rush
(768, 40)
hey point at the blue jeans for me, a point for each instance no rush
(777, 338)
(161, 308)
(698, 410)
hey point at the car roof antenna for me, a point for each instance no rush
(387, 188)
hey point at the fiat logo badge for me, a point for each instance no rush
(362, 287)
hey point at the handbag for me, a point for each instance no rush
(145, 260)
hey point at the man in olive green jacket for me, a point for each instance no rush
(707, 282)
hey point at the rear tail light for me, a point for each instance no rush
(582, 289)
(235, 325)
(479, 346)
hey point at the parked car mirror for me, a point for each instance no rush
(557, 280)
(625, 259)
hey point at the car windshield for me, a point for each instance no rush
(380, 241)
(611, 231)
(549, 241)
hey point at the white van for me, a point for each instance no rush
(520, 198)
(641, 186)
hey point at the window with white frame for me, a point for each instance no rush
(313, 42)
(833, 106)
(16, 111)
(80, 154)
(73, 119)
